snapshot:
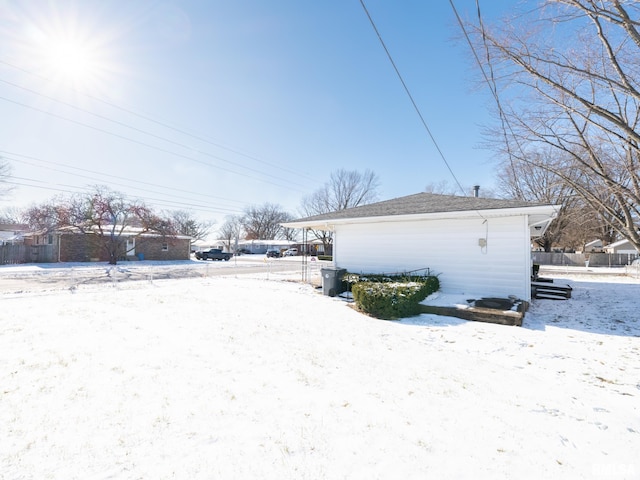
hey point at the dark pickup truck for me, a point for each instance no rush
(213, 254)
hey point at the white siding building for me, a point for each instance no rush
(476, 246)
(621, 246)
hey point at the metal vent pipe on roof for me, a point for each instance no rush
(476, 190)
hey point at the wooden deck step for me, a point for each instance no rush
(550, 296)
(550, 291)
(479, 314)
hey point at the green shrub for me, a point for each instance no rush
(391, 297)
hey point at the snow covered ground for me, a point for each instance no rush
(254, 376)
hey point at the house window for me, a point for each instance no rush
(165, 247)
(44, 239)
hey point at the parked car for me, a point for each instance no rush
(213, 254)
(291, 252)
(273, 254)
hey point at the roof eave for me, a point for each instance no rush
(330, 223)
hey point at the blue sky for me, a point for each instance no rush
(211, 106)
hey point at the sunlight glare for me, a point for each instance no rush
(69, 58)
(73, 51)
(72, 62)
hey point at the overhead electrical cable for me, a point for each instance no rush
(413, 102)
(177, 200)
(63, 188)
(164, 124)
(415, 106)
(22, 159)
(148, 145)
(138, 130)
(490, 80)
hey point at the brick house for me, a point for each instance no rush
(68, 245)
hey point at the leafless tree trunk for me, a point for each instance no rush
(583, 227)
(525, 181)
(567, 82)
(185, 224)
(345, 189)
(230, 231)
(5, 174)
(263, 223)
(13, 214)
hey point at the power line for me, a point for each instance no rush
(34, 183)
(138, 130)
(145, 144)
(11, 156)
(180, 200)
(413, 102)
(155, 121)
(490, 80)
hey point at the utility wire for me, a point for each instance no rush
(413, 102)
(25, 160)
(161, 123)
(138, 130)
(490, 80)
(145, 144)
(179, 200)
(63, 188)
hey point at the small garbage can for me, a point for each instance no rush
(332, 280)
(141, 256)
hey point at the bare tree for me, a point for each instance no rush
(12, 215)
(106, 215)
(286, 233)
(525, 181)
(230, 231)
(445, 188)
(45, 217)
(185, 224)
(345, 189)
(567, 82)
(583, 226)
(5, 174)
(263, 222)
(441, 188)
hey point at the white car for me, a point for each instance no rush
(291, 252)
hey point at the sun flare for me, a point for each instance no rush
(71, 50)
(72, 62)
(69, 58)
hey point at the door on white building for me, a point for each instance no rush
(131, 247)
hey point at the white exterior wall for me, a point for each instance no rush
(449, 248)
(621, 246)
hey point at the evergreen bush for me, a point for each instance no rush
(391, 296)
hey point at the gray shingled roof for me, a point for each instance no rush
(421, 203)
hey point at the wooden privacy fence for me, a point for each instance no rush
(19, 253)
(580, 259)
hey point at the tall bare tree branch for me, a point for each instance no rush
(571, 73)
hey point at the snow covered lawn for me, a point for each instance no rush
(238, 378)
